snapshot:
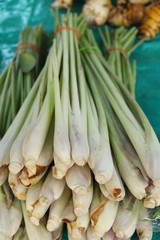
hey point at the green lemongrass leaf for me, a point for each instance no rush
(61, 136)
(13, 130)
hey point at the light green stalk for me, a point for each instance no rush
(56, 210)
(33, 231)
(15, 216)
(127, 217)
(50, 191)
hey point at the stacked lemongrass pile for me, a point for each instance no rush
(80, 150)
(17, 79)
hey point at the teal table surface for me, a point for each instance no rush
(17, 14)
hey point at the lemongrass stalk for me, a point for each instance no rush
(90, 236)
(125, 165)
(97, 218)
(68, 214)
(3, 174)
(56, 210)
(82, 202)
(45, 157)
(99, 210)
(144, 227)
(40, 129)
(127, 216)
(115, 186)
(51, 190)
(16, 162)
(18, 189)
(8, 194)
(79, 227)
(102, 153)
(4, 217)
(78, 179)
(121, 145)
(23, 177)
(33, 231)
(132, 119)
(82, 91)
(57, 234)
(21, 234)
(10, 135)
(15, 216)
(33, 195)
(77, 112)
(61, 136)
(150, 153)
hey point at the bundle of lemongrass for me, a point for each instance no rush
(80, 150)
(17, 79)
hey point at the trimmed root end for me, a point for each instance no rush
(52, 225)
(15, 167)
(149, 203)
(120, 234)
(34, 220)
(81, 190)
(57, 173)
(101, 177)
(80, 211)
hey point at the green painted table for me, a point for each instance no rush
(17, 14)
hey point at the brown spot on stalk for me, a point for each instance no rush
(117, 192)
(140, 233)
(66, 220)
(34, 204)
(97, 213)
(39, 171)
